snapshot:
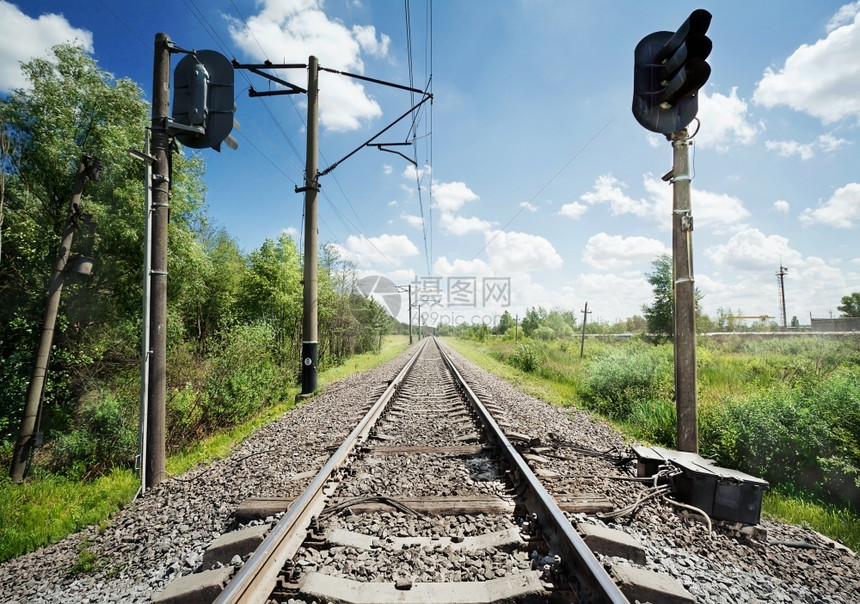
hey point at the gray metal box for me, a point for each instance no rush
(719, 492)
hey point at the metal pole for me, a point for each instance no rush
(410, 313)
(584, 320)
(310, 334)
(27, 436)
(685, 304)
(145, 350)
(156, 413)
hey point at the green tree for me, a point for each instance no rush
(850, 306)
(270, 292)
(660, 315)
(506, 322)
(70, 108)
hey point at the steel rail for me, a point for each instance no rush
(557, 530)
(259, 575)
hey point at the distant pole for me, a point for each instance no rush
(160, 149)
(685, 305)
(781, 276)
(410, 312)
(310, 333)
(585, 312)
(27, 435)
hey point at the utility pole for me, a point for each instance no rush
(685, 302)
(310, 335)
(27, 439)
(585, 312)
(410, 312)
(160, 149)
(781, 276)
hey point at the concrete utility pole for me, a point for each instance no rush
(685, 302)
(160, 149)
(89, 167)
(781, 276)
(585, 312)
(310, 333)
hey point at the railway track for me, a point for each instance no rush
(428, 500)
(460, 520)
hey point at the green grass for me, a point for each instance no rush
(836, 523)
(46, 508)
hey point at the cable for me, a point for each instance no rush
(556, 175)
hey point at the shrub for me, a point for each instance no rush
(525, 357)
(105, 437)
(618, 380)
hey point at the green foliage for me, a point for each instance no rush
(805, 436)
(104, 437)
(850, 306)
(625, 376)
(525, 357)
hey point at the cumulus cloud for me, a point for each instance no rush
(609, 190)
(821, 79)
(300, 29)
(460, 225)
(23, 38)
(451, 196)
(841, 211)
(825, 142)
(614, 252)
(386, 250)
(724, 121)
(781, 206)
(751, 250)
(573, 210)
(513, 252)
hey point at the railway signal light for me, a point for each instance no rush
(203, 105)
(669, 70)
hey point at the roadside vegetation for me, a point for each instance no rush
(786, 410)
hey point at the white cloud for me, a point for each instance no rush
(781, 206)
(301, 29)
(460, 225)
(789, 148)
(513, 252)
(821, 79)
(573, 210)
(450, 196)
(751, 250)
(528, 206)
(614, 252)
(825, 142)
(412, 220)
(841, 211)
(386, 250)
(844, 16)
(724, 121)
(608, 189)
(23, 38)
(444, 267)
(713, 210)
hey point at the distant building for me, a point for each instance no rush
(837, 324)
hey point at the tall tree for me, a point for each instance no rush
(69, 108)
(850, 306)
(660, 315)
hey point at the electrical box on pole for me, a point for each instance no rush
(669, 70)
(203, 104)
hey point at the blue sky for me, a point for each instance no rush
(531, 169)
